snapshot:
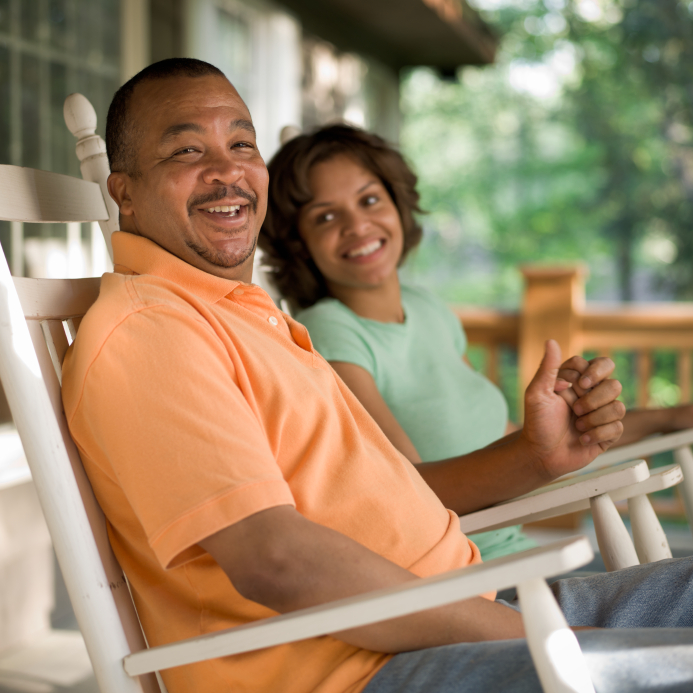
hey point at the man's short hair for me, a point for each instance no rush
(121, 131)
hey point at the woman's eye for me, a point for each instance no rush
(370, 200)
(325, 218)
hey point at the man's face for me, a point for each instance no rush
(201, 192)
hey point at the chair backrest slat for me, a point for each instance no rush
(56, 345)
(27, 194)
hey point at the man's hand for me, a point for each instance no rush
(567, 427)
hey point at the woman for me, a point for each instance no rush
(340, 222)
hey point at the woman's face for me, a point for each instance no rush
(351, 226)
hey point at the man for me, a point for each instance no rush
(239, 476)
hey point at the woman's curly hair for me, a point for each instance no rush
(294, 273)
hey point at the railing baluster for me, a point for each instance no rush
(683, 364)
(644, 372)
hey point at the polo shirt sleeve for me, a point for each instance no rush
(163, 413)
(338, 336)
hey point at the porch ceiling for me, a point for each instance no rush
(440, 33)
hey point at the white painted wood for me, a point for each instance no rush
(373, 607)
(615, 544)
(27, 194)
(556, 653)
(550, 500)
(134, 37)
(651, 543)
(59, 494)
(56, 299)
(80, 118)
(50, 344)
(660, 478)
(684, 457)
(643, 448)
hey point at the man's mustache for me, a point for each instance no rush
(220, 194)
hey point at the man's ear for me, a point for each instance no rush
(119, 189)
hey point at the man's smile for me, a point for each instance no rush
(228, 210)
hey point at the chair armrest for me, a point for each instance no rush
(643, 448)
(660, 478)
(552, 499)
(364, 609)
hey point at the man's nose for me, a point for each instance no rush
(222, 167)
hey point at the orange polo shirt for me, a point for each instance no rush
(196, 403)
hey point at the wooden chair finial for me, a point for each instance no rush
(80, 116)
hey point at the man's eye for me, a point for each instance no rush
(243, 145)
(185, 150)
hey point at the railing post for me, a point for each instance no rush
(552, 308)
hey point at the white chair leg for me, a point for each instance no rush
(560, 664)
(650, 541)
(615, 543)
(684, 457)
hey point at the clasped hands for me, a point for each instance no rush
(571, 412)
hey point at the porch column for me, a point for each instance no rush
(552, 307)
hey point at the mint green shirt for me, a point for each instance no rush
(444, 406)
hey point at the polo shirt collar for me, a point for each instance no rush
(139, 255)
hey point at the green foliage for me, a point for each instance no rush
(598, 170)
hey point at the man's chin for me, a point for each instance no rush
(224, 259)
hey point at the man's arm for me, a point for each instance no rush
(562, 433)
(280, 559)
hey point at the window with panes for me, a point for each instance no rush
(49, 49)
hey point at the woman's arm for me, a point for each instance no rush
(639, 423)
(361, 383)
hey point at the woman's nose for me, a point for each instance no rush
(356, 222)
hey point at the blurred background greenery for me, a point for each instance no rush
(577, 145)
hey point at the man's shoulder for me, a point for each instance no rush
(126, 306)
(123, 295)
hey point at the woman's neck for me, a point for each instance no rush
(382, 303)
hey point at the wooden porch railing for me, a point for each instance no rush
(554, 307)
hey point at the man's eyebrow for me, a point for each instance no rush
(175, 130)
(316, 205)
(242, 124)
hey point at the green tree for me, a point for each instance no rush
(597, 167)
